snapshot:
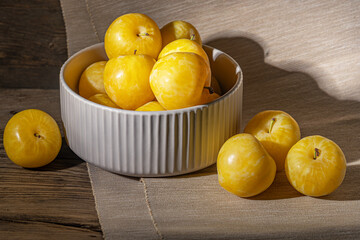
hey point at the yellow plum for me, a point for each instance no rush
(92, 80)
(126, 80)
(277, 131)
(130, 32)
(178, 80)
(315, 166)
(179, 30)
(151, 106)
(244, 166)
(103, 99)
(32, 138)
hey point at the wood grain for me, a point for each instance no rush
(52, 202)
(32, 43)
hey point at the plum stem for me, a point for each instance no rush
(211, 90)
(37, 135)
(135, 51)
(316, 153)
(192, 37)
(143, 34)
(272, 124)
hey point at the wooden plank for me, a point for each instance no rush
(53, 201)
(32, 43)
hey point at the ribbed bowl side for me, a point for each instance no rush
(162, 144)
(149, 144)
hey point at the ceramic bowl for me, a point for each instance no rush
(150, 144)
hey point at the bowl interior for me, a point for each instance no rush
(223, 67)
(77, 63)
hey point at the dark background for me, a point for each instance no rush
(32, 43)
(55, 201)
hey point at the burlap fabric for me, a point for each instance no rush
(300, 57)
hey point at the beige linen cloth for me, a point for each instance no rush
(302, 57)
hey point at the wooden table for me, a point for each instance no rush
(56, 201)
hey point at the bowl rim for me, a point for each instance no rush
(238, 83)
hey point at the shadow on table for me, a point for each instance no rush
(268, 87)
(279, 189)
(65, 159)
(211, 170)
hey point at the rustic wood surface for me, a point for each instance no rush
(32, 43)
(55, 201)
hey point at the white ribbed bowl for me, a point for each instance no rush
(149, 144)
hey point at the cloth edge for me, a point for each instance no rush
(66, 29)
(87, 164)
